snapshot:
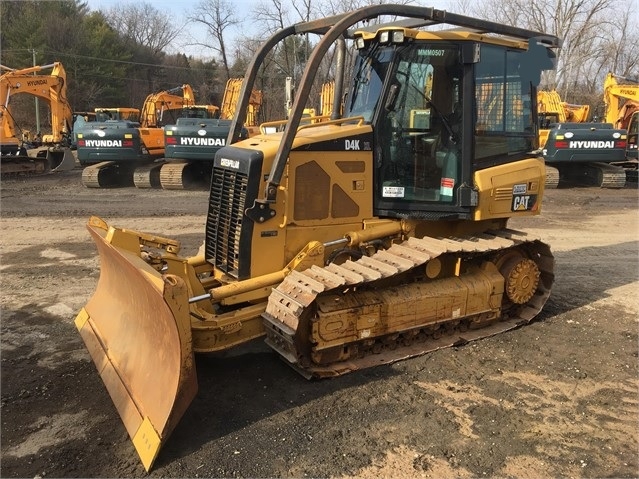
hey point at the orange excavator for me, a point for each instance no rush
(53, 153)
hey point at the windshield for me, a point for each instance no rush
(420, 125)
(370, 70)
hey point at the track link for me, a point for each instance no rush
(297, 306)
(610, 176)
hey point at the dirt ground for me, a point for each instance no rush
(556, 398)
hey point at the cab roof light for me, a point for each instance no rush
(398, 36)
(360, 43)
(384, 36)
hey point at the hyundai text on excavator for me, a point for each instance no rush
(54, 153)
(375, 236)
(122, 152)
(82, 120)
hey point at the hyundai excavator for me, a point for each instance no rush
(53, 153)
(552, 111)
(378, 235)
(578, 151)
(622, 106)
(82, 120)
(122, 152)
(191, 143)
(594, 153)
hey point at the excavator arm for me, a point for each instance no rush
(156, 104)
(52, 88)
(621, 100)
(230, 98)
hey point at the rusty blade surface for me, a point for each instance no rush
(138, 335)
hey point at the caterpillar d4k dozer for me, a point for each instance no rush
(365, 239)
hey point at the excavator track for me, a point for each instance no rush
(603, 175)
(185, 175)
(552, 177)
(147, 176)
(22, 165)
(107, 174)
(345, 304)
(609, 176)
(631, 168)
(172, 175)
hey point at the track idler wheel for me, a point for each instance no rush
(521, 277)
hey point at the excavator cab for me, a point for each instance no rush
(376, 235)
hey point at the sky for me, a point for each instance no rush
(194, 33)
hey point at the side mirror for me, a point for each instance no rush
(393, 94)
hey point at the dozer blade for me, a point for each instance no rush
(137, 330)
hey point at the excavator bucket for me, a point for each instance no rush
(57, 159)
(61, 160)
(137, 331)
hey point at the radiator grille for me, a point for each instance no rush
(224, 223)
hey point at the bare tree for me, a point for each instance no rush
(598, 36)
(145, 25)
(149, 32)
(218, 16)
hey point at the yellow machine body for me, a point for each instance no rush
(310, 243)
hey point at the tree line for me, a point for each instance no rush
(117, 57)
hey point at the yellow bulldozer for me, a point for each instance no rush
(378, 235)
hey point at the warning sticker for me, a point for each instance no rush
(446, 186)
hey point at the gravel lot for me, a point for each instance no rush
(557, 398)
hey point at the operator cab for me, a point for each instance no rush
(441, 107)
